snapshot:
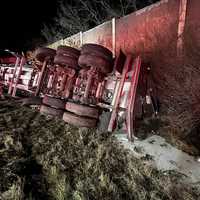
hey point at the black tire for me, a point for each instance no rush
(53, 102)
(97, 50)
(88, 60)
(51, 111)
(103, 123)
(66, 61)
(82, 110)
(68, 51)
(32, 101)
(78, 120)
(42, 53)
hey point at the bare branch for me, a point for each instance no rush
(80, 15)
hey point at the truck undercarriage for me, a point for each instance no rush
(78, 86)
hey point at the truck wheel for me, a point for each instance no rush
(79, 121)
(51, 111)
(32, 101)
(68, 51)
(88, 60)
(82, 110)
(42, 53)
(103, 123)
(97, 50)
(53, 102)
(67, 61)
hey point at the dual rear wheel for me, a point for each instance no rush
(81, 115)
(91, 55)
(52, 106)
(67, 56)
(72, 113)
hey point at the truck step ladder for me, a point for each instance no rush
(16, 76)
(131, 68)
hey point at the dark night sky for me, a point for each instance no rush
(21, 21)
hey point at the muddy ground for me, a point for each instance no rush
(44, 158)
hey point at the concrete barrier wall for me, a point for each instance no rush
(101, 34)
(192, 32)
(139, 32)
(148, 29)
(142, 32)
(73, 41)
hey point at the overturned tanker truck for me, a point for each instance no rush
(80, 86)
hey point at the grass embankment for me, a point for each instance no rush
(44, 158)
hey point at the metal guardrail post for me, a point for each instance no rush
(181, 26)
(14, 75)
(18, 77)
(119, 93)
(41, 78)
(81, 38)
(114, 37)
(130, 117)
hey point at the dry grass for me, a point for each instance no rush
(43, 158)
(178, 88)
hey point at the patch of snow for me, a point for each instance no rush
(165, 156)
